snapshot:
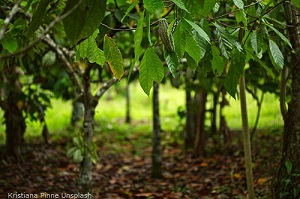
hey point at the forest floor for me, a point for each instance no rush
(126, 173)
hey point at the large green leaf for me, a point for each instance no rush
(193, 49)
(113, 57)
(10, 44)
(138, 36)
(180, 40)
(89, 49)
(235, 71)
(172, 62)
(280, 35)
(180, 5)
(153, 5)
(218, 63)
(151, 69)
(199, 30)
(83, 20)
(276, 54)
(199, 9)
(38, 16)
(192, 64)
(257, 43)
(230, 38)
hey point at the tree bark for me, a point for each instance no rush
(85, 178)
(286, 183)
(200, 98)
(13, 105)
(190, 119)
(156, 143)
(246, 139)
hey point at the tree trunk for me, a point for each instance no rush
(286, 184)
(13, 106)
(77, 112)
(15, 126)
(128, 116)
(190, 119)
(156, 144)
(85, 178)
(246, 139)
(201, 98)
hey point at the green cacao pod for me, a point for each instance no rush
(167, 39)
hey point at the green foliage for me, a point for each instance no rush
(113, 57)
(84, 18)
(234, 73)
(10, 44)
(218, 63)
(153, 5)
(40, 12)
(151, 69)
(89, 49)
(172, 62)
(276, 55)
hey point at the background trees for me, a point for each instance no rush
(210, 43)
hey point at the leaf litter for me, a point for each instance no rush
(128, 175)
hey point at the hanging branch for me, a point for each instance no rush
(8, 19)
(43, 34)
(69, 68)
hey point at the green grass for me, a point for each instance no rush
(110, 112)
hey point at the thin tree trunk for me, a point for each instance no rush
(190, 119)
(200, 123)
(246, 139)
(85, 178)
(286, 183)
(128, 116)
(156, 144)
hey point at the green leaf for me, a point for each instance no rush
(257, 43)
(235, 71)
(192, 64)
(153, 5)
(263, 64)
(180, 5)
(84, 20)
(230, 38)
(10, 44)
(193, 49)
(276, 54)
(151, 69)
(38, 16)
(201, 43)
(199, 30)
(113, 57)
(129, 9)
(239, 3)
(288, 166)
(89, 49)
(180, 40)
(77, 156)
(280, 35)
(241, 16)
(296, 3)
(172, 62)
(138, 36)
(199, 9)
(217, 62)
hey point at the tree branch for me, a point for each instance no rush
(43, 34)
(68, 67)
